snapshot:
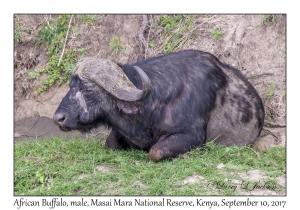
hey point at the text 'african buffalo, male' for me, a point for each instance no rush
(166, 105)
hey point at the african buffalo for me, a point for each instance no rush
(165, 105)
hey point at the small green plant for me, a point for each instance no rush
(116, 44)
(268, 18)
(47, 33)
(17, 21)
(169, 22)
(88, 19)
(27, 29)
(151, 44)
(18, 35)
(17, 30)
(271, 91)
(177, 29)
(282, 53)
(54, 29)
(77, 31)
(216, 34)
(41, 177)
(45, 178)
(33, 75)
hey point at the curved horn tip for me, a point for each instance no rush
(147, 85)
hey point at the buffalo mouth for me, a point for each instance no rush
(66, 129)
(83, 128)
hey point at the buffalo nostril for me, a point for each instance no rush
(59, 118)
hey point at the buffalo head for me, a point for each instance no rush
(98, 86)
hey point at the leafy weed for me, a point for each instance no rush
(177, 29)
(268, 18)
(116, 44)
(271, 90)
(216, 34)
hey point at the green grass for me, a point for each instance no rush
(271, 91)
(176, 30)
(68, 167)
(116, 44)
(268, 18)
(216, 34)
(88, 19)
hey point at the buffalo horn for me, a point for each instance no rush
(111, 77)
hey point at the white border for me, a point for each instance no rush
(153, 6)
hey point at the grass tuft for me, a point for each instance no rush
(268, 18)
(216, 34)
(116, 44)
(174, 30)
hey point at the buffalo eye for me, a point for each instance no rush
(86, 91)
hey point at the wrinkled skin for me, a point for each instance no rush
(194, 99)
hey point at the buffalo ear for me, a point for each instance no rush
(128, 107)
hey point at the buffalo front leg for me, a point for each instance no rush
(173, 146)
(116, 141)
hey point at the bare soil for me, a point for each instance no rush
(257, 49)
